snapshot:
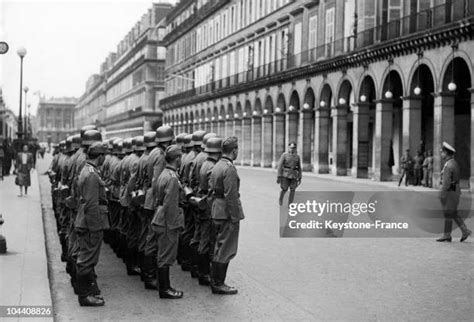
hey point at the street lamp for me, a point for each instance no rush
(29, 130)
(22, 53)
(25, 124)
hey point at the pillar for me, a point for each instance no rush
(360, 140)
(443, 129)
(339, 139)
(215, 127)
(292, 125)
(306, 138)
(256, 150)
(411, 124)
(247, 139)
(238, 133)
(383, 136)
(471, 177)
(229, 128)
(278, 137)
(221, 128)
(267, 145)
(321, 140)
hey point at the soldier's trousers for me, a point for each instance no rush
(133, 229)
(123, 224)
(207, 238)
(167, 249)
(115, 209)
(72, 238)
(145, 221)
(64, 218)
(286, 183)
(227, 239)
(151, 244)
(89, 243)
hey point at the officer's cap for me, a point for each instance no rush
(230, 143)
(197, 137)
(97, 148)
(187, 141)
(214, 145)
(207, 137)
(91, 136)
(448, 147)
(173, 151)
(139, 143)
(149, 139)
(164, 134)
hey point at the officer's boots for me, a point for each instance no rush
(282, 195)
(218, 286)
(85, 292)
(131, 262)
(194, 262)
(204, 270)
(164, 285)
(448, 227)
(291, 197)
(62, 241)
(149, 273)
(465, 232)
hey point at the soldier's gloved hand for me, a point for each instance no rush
(278, 180)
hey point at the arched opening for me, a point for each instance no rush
(323, 131)
(238, 129)
(293, 117)
(221, 122)
(247, 133)
(256, 149)
(342, 130)
(458, 72)
(267, 132)
(308, 129)
(363, 129)
(279, 129)
(229, 126)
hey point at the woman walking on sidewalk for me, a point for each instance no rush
(23, 166)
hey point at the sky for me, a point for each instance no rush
(66, 42)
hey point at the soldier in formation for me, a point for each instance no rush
(154, 199)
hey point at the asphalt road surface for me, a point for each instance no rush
(289, 278)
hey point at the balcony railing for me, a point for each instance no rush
(424, 20)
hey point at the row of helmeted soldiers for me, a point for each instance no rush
(154, 199)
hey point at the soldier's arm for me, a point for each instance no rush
(158, 168)
(148, 173)
(91, 195)
(133, 177)
(280, 165)
(171, 196)
(300, 169)
(231, 194)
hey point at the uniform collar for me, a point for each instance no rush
(91, 163)
(227, 158)
(168, 166)
(209, 157)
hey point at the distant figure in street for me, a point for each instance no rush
(406, 166)
(450, 194)
(418, 168)
(428, 169)
(289, 173)
(7, 159)
(23, 165)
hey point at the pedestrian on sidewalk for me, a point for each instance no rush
(418, 168)
(406, 166)
(23, 166)
(289, 173)
(450, 194)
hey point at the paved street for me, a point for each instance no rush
(289, 278)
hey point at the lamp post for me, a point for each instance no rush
(25, 124)
(29, 130)
(22, 53)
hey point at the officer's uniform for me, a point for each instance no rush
(167, 222)
(449, 195)
(113, 180)
(90, 223)
(289, 174)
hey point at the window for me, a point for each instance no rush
(232, 63)
(329, 25)
(395, 10)
(297, 39)
(313, 31)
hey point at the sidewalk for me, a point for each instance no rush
(393, 185)
(23, 269)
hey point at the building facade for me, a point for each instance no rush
(8, 121)
(354, 83)
(55, 118)
(123, 99)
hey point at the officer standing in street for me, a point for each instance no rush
(168, 220)
(90, 223)
(289, 173)
(207, 236)
(450, 194)
(226, 214)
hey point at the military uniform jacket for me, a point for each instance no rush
(185, 167)
(142, 171)
(449, 179)
(289, 166)
(133, 176)
(406, 162)
(204, 176)
(124, 178)
(195, 170)
(167, 190)
(114, 178)
(225, 184)
(156, 164)
(92, 212)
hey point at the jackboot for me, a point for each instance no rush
(62, 240)
(194, 262)
(282, 196)
(204, 270)
(291, 197)
(149, 273)
(131, 262)
(141, 257)
(165, 289)
(219, 271)
(94, 286)
(465, 232)
(448, 227)
(85, 292)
